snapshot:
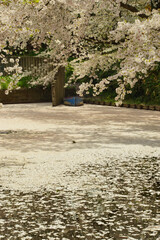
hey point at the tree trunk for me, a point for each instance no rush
(57, 89)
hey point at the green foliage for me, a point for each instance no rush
(31, 1)
(147, 90)
(24, 82)
(5, 2)
(68, 72)
(4, 82)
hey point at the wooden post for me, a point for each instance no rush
(57, 89)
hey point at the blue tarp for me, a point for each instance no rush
(73, 101)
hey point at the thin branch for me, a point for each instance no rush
(129, 7)
(133, 9)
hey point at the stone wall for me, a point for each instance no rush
(38, 94)
(36, 64)
(31, 95)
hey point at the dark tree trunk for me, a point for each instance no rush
(57, 90)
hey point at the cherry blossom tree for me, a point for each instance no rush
(51, 22)
(99, 34)
(131, 50)
(34, 21)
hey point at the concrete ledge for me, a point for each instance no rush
(136, 106)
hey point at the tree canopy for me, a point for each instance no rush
(118, 37)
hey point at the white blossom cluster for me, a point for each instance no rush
(92, 31)
(136, 49)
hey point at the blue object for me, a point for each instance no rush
(73, 101)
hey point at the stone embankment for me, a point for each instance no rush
(127, 105)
